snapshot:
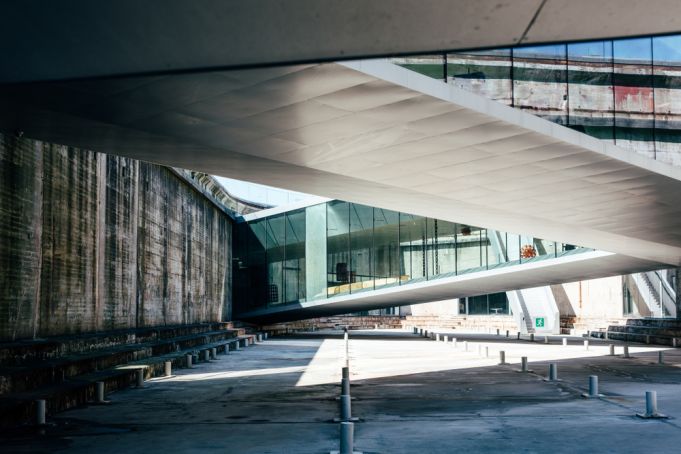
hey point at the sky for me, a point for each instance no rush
(262, 194)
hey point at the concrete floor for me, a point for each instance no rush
(412, 395)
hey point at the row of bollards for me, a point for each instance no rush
(346, 420)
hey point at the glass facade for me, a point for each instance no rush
(339, 248)
(625, 91)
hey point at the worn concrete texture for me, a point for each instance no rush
(411, 395)
(93, 242)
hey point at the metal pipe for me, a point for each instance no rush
(347, 430)
(40, 411)
(507, 333)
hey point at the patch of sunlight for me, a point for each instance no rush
(235, 374)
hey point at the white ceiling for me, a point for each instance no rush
(374, 133)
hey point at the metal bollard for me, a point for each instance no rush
(647, 338)
(347, 430)
(345, 386)
(660, 357)
(416, 330)
(214, 353)
(612, 349)
(502, 358)
(486, 352)
(497, 331)
(259, 337)
(189, 361)
(593, 388)
(507, 333)
(140, 378)
(565, 342)
(206, 355)
(465, 346)
(531, 337)
(553, 372)
(651, 407)
(586, 345)
(523, 364)
(445, 339)
(437, 337)
(479, 350)
(40, 410)
(546, 339)
(518, 335)
(346, 410)
(167, 368)
(421, 331)
(626, 351)
(265, 335)
(99, 392)
(425, 333)
(345, 373)
(675, 342)
(454, 343)
(237, 346)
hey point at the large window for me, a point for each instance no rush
(386, 247)
(338, 248)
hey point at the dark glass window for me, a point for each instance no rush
(338, 248)
(386, 247)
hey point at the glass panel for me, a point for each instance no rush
(412, 246)
(446, 247)
(478, 305)
(667, 95)
(337, 247)
(496, 252)
(498, 304)
(468, 250)
(539, 81)
(276, 241)
(257, 264)
(315, 252)
(485, 73)
(545, 247)
(294, 267)
(361, 247)
(634, 95)
(429, 65)
(590, 90)
(386, 247)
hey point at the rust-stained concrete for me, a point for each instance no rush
(93, 242)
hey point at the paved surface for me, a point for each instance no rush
(412, 395)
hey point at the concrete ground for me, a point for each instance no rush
(411, 395)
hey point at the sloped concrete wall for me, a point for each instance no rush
(92, 242)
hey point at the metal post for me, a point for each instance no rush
(140, 378)
(259, 337)
(518, 335)
(651, 407)
(553, 372)
(189, 361)
(416, 330)
(425, 333)
(486, 352)
(437, 337)
(546, 339)
(445, 339)
(593, 388)
(626, 351)
(99, 392)
(168, 368)
(347, 437)
(502, 357)
(236, 345)
(214, 353)
(206, 355)
(660, 358)
(40, 410)
(497, 331)
(265, 335)
(507, 333)
(612, 350)
(465, 346)
(346, 410)
(454, 343)
(523, 364)
(421, 331)
(531, 337)
(565, 342)
(586, 345)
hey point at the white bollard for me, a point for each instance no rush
(626, 351)
(502, 358)
(565, 342)
(167, 368)
(347, 430)
(214, 353)
(612, 349)
(189, 361)
(486, 352)
(445, 339)
(265, 335)
(259, 337)
(140, 378)
(206, 355)
(586, 345)
(437, 337)
(651, 407)
(454, 343)
(40, 410)
(479, 350)
(593, 388)
(546, 339)
(465, 346)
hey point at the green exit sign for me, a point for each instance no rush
(539, 322)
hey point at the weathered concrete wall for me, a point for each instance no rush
(92, 242)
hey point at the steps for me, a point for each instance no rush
(63, 370)
(649, 331)
(465, 322)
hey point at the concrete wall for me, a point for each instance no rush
(91, 242)
(593, 299)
